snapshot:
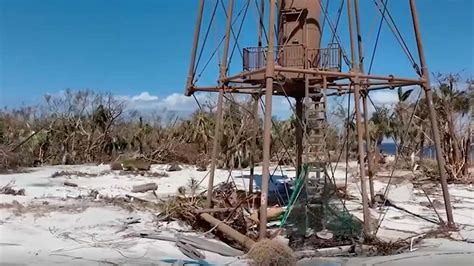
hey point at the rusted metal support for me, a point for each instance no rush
(359, 37)
(299, 135)
(243, 75)
(360, 140)
(197, 30)
(256, 101)
(215, 147)
(229, 231)
(370, 166)
(211, 210)
(220, 100)
(317, 72)
(260, 25)
(253, 148)
(364, 104)
(267, 123)
(425, 77)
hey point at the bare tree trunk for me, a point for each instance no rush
(422, 143)
(454, 142)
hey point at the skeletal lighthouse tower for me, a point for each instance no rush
(294, 64)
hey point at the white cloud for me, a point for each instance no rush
(144, 96)
(178, 101)
(173, 103)
(384, 97)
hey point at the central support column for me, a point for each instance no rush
(256, 99)
(267, 123)
(299, 135)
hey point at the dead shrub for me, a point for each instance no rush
(8, 160)
(116, 166)
(271, 252)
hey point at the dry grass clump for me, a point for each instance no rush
(8, 160)
(271, 252)
(9, 190)
(73, 173)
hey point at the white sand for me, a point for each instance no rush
(56, 228)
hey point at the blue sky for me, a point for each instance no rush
(142, 48)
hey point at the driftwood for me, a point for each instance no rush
(132, 198)
(8, 190)
(70, 184)
(229, 231)
(196, 242)
(211, 210)
(215, 247)
(333, 251)
(190, 251)
(145, 188)
(272, 214)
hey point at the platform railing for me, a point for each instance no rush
(294, 56)
(328, 58)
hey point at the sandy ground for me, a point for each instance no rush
(53, 224)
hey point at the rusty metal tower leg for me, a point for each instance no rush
(189, 82)
(260, 25)
(356, 83)
(364, 104)
(218, 128)
(256, 99)
(425, 76)
(299, 135)
(367, 147)
(267, 124)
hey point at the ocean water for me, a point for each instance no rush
(390, 149)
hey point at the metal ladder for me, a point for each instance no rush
(314, 137)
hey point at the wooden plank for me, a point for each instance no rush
(211, 210)
(145, 188)
(229, 231)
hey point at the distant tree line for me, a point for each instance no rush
(89, 127)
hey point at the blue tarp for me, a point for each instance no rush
(279, 188)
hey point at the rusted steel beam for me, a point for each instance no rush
(197, 30)
(279, 69)
(267, 123)
(367, 148)
(253, 147)
(299, 135)
(360, 140)
(215, 147)
(229, 231)
(220, 100)
(144, 187)
(365, 107)
(425, 76)
(242, 75)
(211, 210)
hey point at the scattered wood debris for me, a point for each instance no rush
(70, 184)
(190, 245)
(73, 173)
(144, 188)
(9, 190)
(174, 167)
